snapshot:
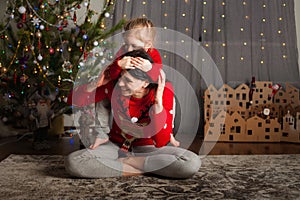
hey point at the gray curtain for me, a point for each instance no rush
(238, 39)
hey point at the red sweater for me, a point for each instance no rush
(132, 114)
(115, 70)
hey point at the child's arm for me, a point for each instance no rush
(153, 70)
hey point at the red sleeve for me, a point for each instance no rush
(154, 72)
(80, 97)
(163, 121)
(114, 69)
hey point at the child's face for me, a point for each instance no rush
(133, 43)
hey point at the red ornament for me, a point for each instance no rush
(23, 17)
(75, 17)
(20, 25)
(60, 28)
(47, 28)
(51, 50)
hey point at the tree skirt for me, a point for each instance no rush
(220, 177)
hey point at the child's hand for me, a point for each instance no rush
(125, 63)
(173, 141)
(98, 142)
(141, 63)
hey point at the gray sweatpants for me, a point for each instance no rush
(168, 161)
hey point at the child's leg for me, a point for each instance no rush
(103, 115)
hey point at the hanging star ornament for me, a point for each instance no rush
(36, 21)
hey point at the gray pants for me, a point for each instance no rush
(168, 161)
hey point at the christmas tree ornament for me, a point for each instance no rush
(81, 64)
(20, 25)
(85, 37)
(40, 57)
(51, 50)
(22, 9)
(86, 3)
(24, 17)
(42, 27)
(38, 34)
(75, 17)
(67, 66)
(107, 15)
(36, 21)
(95, 43)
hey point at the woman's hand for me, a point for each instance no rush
(98, 142)
(160, 91)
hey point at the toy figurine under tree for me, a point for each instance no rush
(41, 116)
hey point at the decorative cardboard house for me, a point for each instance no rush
(272, 114)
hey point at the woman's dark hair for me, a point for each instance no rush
(137, 73)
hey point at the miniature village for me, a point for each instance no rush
(261, 112)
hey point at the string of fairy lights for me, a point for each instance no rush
(247, 21)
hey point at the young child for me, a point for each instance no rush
(139, 33)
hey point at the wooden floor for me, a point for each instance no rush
(66, 145)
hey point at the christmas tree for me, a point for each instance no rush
(43, 46)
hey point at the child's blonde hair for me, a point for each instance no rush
(142, 28)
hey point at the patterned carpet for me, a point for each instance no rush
(220, 177)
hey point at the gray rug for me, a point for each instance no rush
(220, 177)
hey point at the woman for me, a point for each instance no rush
(142, 127)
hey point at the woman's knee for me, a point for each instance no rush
(71, 166)
(191, 164)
